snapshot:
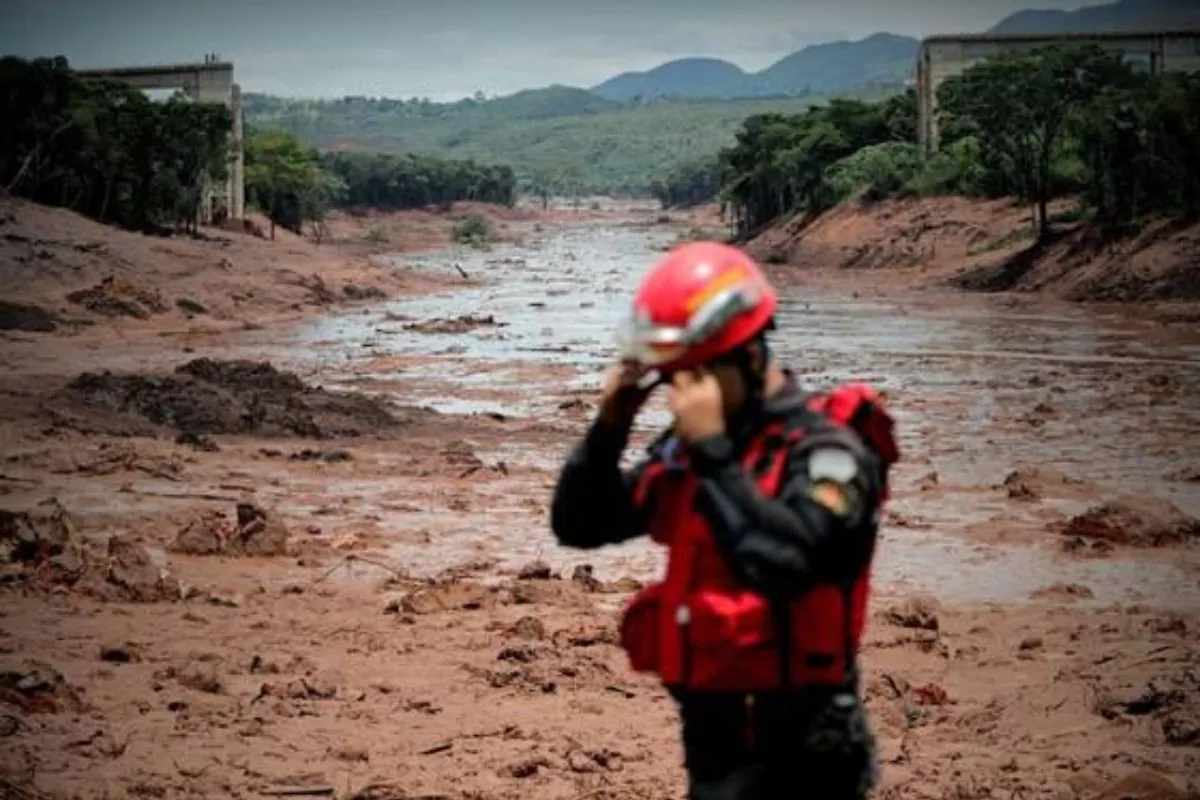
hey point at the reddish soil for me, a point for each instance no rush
(203, 592)
(987, 245)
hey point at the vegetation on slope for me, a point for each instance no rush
(294, 184)
(1058, 121)
(564, 141)
(104, 148)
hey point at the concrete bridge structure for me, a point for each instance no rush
(941, 57)
(208, 82)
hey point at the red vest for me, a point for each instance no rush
(699, 628)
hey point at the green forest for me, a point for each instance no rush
(104, 148)
(560, 140)
(1058, 121)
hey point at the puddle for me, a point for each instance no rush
(979, 388)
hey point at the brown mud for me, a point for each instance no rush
(988, 245)
(312, 557)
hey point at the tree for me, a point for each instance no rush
(286, 180)
(103, 148)
(1018, 106)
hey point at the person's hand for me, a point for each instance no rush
(696, 401)
(620, 398)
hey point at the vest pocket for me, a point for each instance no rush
(640, 632)
(731, 639)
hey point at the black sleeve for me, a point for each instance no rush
(593, 502)
(780, 546)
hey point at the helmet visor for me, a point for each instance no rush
(654, 345)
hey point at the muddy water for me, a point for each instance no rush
(980, 387)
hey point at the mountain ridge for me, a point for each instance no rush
(879, 59)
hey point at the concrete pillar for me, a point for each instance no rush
(237, 169)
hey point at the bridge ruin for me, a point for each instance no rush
(941, 57)
(208, 82)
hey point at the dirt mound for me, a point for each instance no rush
(1138, 522)
(988, 245)
(60, 261)
(27, 318)
(207, 396)
(114, 297)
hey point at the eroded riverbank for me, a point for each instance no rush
(313, 670)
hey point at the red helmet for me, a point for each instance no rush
(701, 301)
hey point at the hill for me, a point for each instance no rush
(1124, 15)
(883, 58)
(880, 59)
(567, 137)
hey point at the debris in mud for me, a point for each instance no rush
(120, 654)
(585, 576)
(207, 396)
(460, 453)
(35, 535)
(1035, 483)
(1190, 475)
(463, 324)
(133, 575)
(328, 456)
(535, 571)
(26, 318)
(530, 628)
(110, 458)
(448, 597)
(189, 306)
(116, 297)
(37, 688)
(1137, 522)
(197, 441)
(1140, 785)
(256, 532)
(1063, 590)
(352, 292)
(917, 613)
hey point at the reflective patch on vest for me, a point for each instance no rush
(831, 496)
(832, 464)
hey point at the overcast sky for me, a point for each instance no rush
(445, 49)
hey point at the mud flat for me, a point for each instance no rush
(305, 558)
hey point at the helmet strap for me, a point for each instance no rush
(754, 382)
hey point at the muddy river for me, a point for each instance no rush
(980, 385)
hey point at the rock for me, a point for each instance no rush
(133, 573)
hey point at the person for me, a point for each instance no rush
(768, 499)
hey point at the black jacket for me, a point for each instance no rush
(776, 545)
